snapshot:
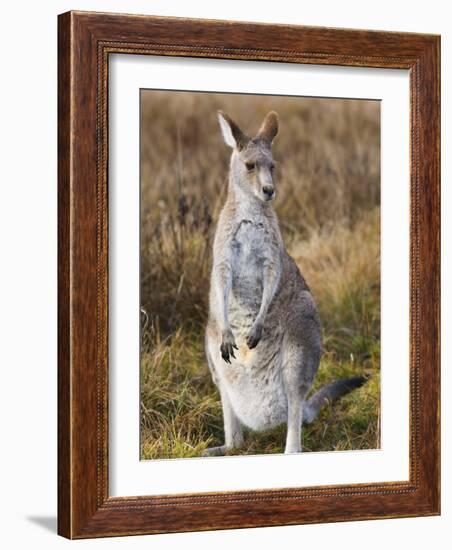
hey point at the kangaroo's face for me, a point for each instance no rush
(256, 166)
(252, 163)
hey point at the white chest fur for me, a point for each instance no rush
(250, 249)
(251, 243)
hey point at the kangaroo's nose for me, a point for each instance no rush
(268, 191)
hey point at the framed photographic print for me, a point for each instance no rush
(248, 275)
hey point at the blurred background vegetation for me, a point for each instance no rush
(328, 204)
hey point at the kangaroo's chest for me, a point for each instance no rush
(251, 248)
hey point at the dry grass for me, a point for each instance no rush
(328, 204)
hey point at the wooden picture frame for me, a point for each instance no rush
(85, 42)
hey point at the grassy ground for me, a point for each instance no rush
(328, 206)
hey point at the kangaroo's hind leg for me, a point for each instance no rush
(294, 422)
(296, 395)
(300, 367)
(233, 432)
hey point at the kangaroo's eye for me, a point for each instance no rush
(250, 166)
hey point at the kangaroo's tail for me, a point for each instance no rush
(327, 394)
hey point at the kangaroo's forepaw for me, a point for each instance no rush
(254, 336)
(227, 346)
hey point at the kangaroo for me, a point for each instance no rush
(263, 335)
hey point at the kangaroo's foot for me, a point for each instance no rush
(227, 345)
(221, 450)
(216, 451)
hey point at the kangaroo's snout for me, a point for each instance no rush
(268, 191)
(266, 180)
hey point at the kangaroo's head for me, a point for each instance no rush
(252, 164)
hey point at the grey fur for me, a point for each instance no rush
(263, 336)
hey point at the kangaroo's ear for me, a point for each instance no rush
(233, 136)
(269, 128)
